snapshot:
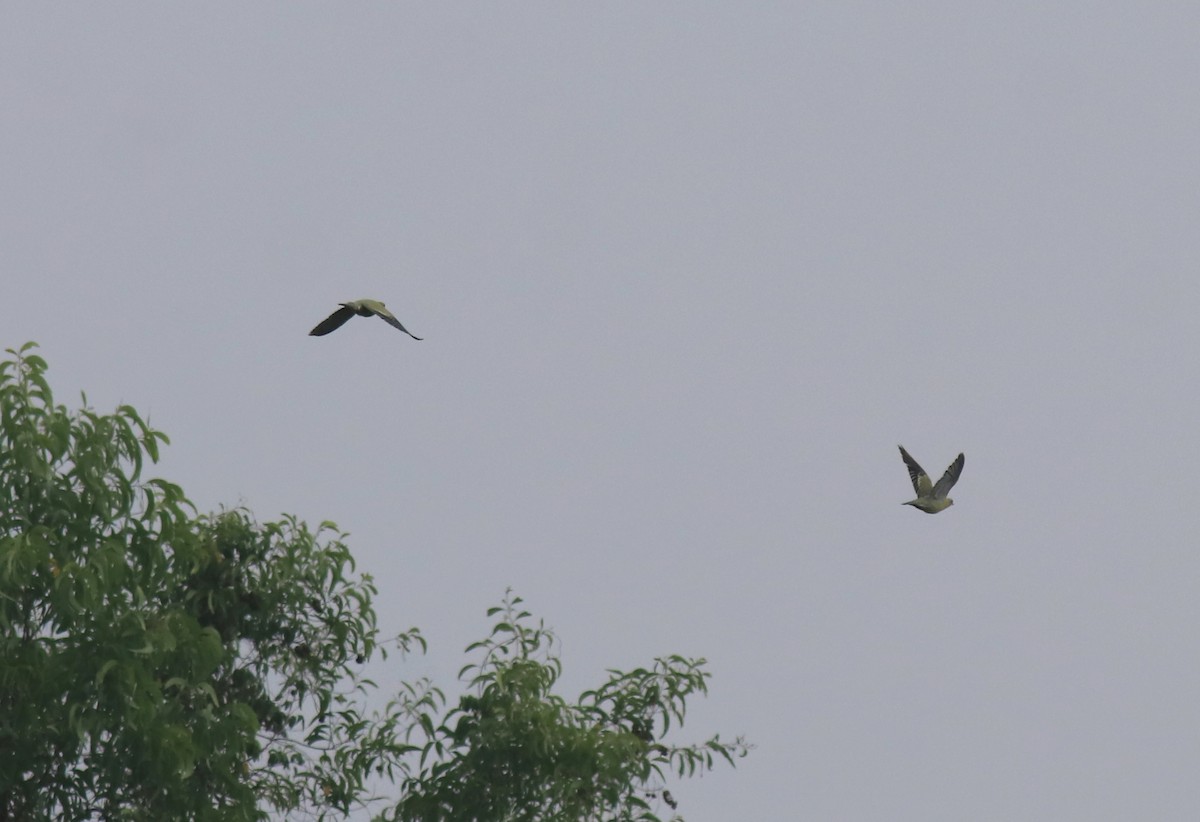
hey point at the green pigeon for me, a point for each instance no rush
(932, 498)
(363, 308)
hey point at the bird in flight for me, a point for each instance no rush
(363, 308)
(932, 498)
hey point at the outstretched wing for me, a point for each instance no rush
(916, 473)
(949, 478)
(333, 322)
(390, 318)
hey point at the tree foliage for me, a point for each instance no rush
(512, 750)
(157, 663)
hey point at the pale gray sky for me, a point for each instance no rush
(687, 274)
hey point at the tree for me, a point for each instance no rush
(157, 663)
(512, 750)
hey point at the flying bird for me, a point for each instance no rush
(932, 498)
(363, 308)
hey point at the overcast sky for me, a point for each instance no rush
(687, 275)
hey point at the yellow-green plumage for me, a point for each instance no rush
(932, 498)
(363, 308)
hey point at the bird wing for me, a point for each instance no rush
(333, 322)
(949, 478)
(390, 318)
(916, 473)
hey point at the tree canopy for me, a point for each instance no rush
(159, 663)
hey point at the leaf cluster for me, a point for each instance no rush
(513, 750)
(159, 664)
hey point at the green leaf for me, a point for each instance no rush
(104, 669)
